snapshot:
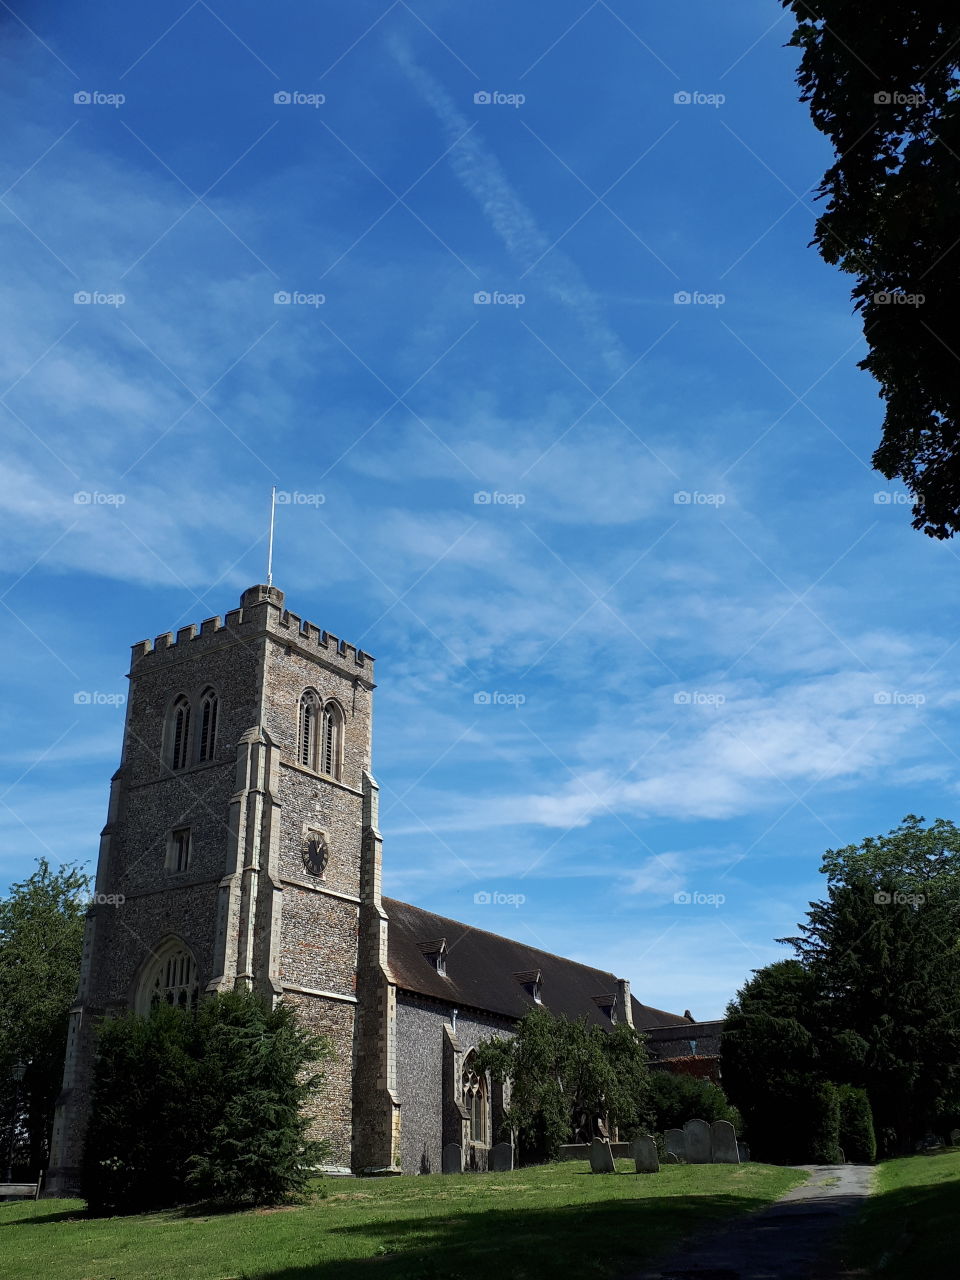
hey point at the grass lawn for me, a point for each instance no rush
(910, 1226)
(526, 1225)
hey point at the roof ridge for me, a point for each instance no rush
(503, 938)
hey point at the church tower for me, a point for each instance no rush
(241, 850)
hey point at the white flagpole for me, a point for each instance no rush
(273, 512)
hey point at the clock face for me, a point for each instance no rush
(315, 853)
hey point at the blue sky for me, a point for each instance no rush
(717, 650)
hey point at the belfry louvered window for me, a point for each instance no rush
(180, 734)
(206, 742)
(307, 732)
(330, 744)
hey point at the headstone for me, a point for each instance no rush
(675, 1143)
(644, 1151)
(452, 1158)
(501, 1158)
(955, 1137)
(601, 1157)
(697, 1135)
(743, 1151)
(723, 1143)
(671, 1158)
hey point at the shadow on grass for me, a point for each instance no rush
(597, 1239)
(914, 1231)
(61, 1215)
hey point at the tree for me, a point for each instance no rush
(883, 87)
(570, 1080)
(41, 940)
(675, 1099)
(205, 1104)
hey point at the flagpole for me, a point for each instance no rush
(273, 512)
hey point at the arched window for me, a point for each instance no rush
(308, 730)
(330, 739)
(179, 733)
(170, 978)
(207, 735)
(475, 1101)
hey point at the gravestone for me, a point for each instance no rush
(644, 1151)
(723, 1143)
(452, 1158)
(671, 1158)
(743, 1151)
(955, 1137)
(501, 1158)
(601, 1157)
(675, 1143)
(697, 1135)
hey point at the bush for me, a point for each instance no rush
(857, 1137)
(198, 1105)
(675, 1099)
(824, 1119)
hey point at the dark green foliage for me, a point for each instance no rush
(41, 939)
(881, 81)
(818, 1119)
(857, 1137)
(675, 1099)
(870, 1002)
(201, 1105)
(569, 1080)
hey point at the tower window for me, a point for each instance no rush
(207, 740)
(180, 733)
(170, 979)
(330, 745)
(307, 730)
(178, 852)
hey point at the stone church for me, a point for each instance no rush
(242, 849)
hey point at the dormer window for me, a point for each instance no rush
(435, 954)
(532, 983)
(608, 1004)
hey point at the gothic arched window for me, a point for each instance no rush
(170, 978)
(207, 729)
(308, 729)
(179, 733)
(331, 738)
(475, 1101)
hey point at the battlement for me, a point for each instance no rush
(261, 610)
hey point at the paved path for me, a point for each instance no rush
(785, 1241)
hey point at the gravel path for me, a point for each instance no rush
(785, 1241)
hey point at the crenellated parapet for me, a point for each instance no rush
(261, 611)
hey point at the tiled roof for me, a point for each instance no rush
(486, 971)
